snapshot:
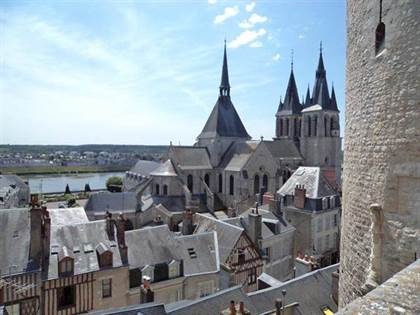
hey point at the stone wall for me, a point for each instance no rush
(381, 147)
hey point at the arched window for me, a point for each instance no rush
(326, 126)
(165, 190)
(207, 180)
(265, 182)
(331, 126)
(315, 126)
(220, 183)
(157, 190)
(190, 183)
(309, 126)
(280, 127)
(256, 184)
(287, 128)
(231, 185)
(295, 127)
(380, 38)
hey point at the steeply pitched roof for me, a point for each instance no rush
(166, 169)
(14, 241)
(224, 82)
(315, 184)
(237, 155)
(112, 202)
(224, 121)
(81, 241)
(283, 149)
(190, 158)
(139, 309)
(312, 291)
(227, 234)
(144, 167)
(291, 103)
(153, 245)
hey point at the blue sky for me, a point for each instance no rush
(147, 72)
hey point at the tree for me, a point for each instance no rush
(114, 184)
(67, 191)
(87, 188)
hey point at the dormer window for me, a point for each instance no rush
(66, 266)
(148, 271)
(105, 255)
(173, 269)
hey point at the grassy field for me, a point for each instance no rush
(64, 169)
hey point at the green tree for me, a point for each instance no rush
(114, 184)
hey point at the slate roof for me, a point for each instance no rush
(14, 241)
(237, 155)
(311, 290)
(190, 158)
(153, 245)
(166, 169)
(227, 234)
(144, 167)
(315, 184)
(172, 203)
(291, 104)
(224, 121)
(80, 240)
(66, 216)
(212, 304)
(140, 309)
(112, 202)
(7, 180)
(283, 149)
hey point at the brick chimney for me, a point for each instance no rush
(278, 305)
(121, 238)
(187, 222)
(268, 199)
(232, 308)
(146, 293)
(110, 226)
(36, 242)
(255, 226)
(300, 195)
(46, 233)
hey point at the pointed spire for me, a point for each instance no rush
(321, 68)
(291, 63)
(333, 102)
(291, 100)
(308, 98)
(224, 83)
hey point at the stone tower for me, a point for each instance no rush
(381, 176)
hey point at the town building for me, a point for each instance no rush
(381, 187)
(312, 206)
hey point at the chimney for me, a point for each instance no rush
(278, 305)
(46, 233)
(241, 308)
(300, 195)
(268, 199)
(231, 212)
(232, 308)
(146, 293)
(121, 238)
(158, 220)
(187, 223)
(255, 225)
(36, 242)
(110, 229)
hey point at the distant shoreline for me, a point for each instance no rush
(52, 170)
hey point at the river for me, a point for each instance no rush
(57, 183)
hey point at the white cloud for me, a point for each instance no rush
(250, 7)
(246, 37)
(301, 36)
(256, 44)
(212, 1)
(276, 57)
(252, 20)
(228, 13)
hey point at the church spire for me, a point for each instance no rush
(321, 68)
(333, 103)
(291, 100)
(308, 98)
(224, 83)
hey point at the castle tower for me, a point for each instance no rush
(381, 175)
(223, 125)
(320, 141)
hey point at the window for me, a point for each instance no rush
(315, 126)
(241, 257)
(326, 126)
(190, 183)
(265, 182)
(173, 269)
(106, 288)
(207, 180)
(231, 185)
(165, 190)
(256, 184)
(157, 189)
(287, 127)
(280, 127)
(148, 271)
(332, 202)
(266, 253)
(161, 272)
(66, 297)
(135, 278)
(105, 259)
(66, 266)
(220, 183)
(205, 288)
(309, 126)
(192, 253)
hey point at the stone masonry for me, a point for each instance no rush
(381, 174)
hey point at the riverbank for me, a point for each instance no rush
(53, 170)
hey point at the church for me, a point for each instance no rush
(225, 168)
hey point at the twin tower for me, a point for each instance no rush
(312, 123)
